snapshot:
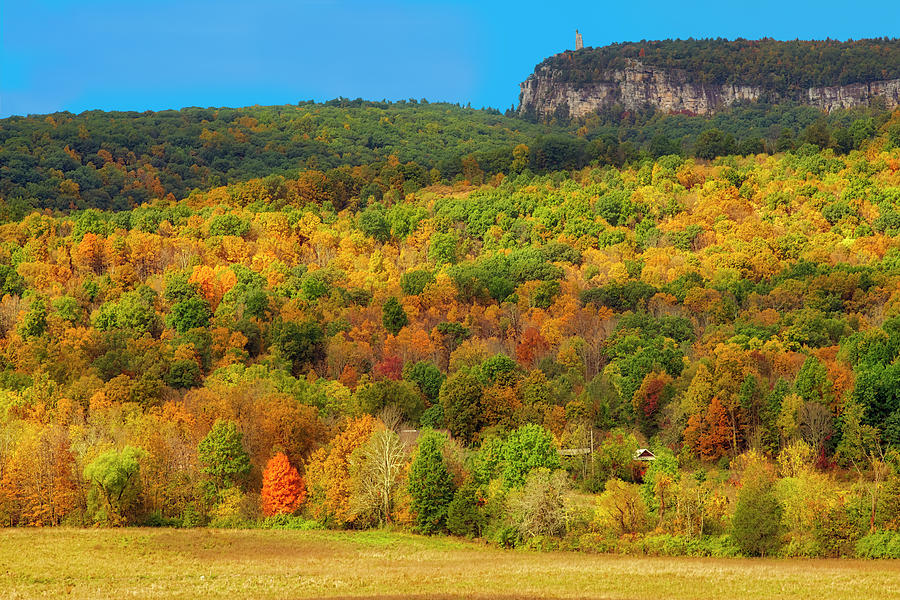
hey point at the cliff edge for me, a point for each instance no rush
(575, 84)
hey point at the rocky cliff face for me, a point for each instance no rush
(672, 90)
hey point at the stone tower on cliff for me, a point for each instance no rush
(578, 43)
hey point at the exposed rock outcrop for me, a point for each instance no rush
(673, 90)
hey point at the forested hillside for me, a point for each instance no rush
(258, 348)
(345, 149)
(778, 66)
(618, 136)
(113, 160)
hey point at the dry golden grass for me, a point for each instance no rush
(200, 563)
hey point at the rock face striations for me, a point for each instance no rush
(548, 91)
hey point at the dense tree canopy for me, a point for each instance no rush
(778, 66)
(736, 315)
(347, 152)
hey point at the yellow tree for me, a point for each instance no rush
(328, 473)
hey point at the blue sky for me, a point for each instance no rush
(68, 55)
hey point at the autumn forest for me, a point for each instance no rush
(448, 321)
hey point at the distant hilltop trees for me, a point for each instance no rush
(774, 65)
(702, 77)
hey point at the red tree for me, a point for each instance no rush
(389, 368)
(283, 490)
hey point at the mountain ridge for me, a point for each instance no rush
(702, 77)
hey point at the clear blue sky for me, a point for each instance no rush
(68, 55)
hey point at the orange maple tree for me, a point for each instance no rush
(283, 490)
(709, 435)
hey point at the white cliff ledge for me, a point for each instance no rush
(674, 91)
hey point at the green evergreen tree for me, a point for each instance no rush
(393, 316)
(430, 484)
(463, 516)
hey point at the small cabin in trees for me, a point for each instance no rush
(643, 454)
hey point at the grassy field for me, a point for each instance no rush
(200, 563)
